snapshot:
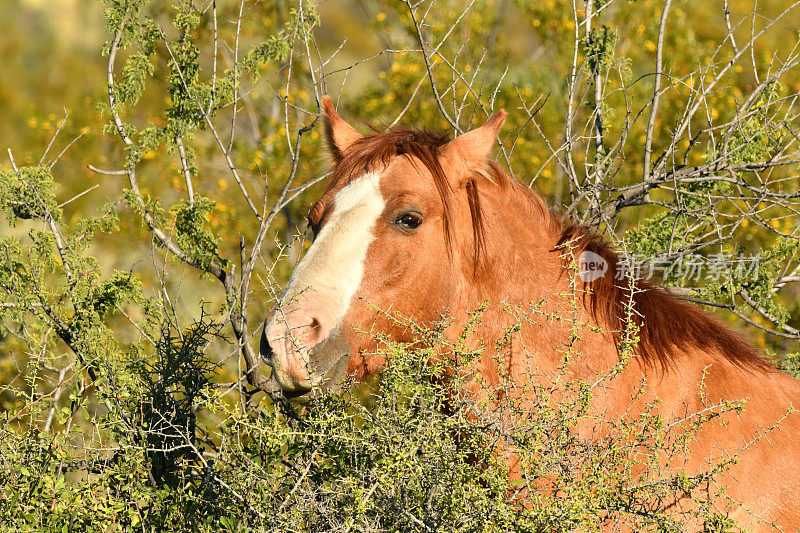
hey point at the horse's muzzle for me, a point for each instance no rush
(286, 349)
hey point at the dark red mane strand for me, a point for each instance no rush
(667, 326)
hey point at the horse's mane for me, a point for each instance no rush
(666, 325)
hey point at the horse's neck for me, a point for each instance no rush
(525, 280)
(532, 289)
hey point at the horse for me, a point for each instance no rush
(425, 226)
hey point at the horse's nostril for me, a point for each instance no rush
(265, 349)
(315, 332)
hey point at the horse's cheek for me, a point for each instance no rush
(390, 272)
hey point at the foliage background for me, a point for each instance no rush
(727, 183)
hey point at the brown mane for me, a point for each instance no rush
(666, 325)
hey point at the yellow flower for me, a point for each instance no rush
(650, 45)
(380, 17)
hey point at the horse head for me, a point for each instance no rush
(390, 235)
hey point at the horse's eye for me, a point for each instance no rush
(409, 220)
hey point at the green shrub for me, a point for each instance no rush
(415, 452)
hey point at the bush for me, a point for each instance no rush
(419, 452)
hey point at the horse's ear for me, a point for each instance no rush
(341, 135)
(476, 145)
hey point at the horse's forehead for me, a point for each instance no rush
(400, 174)
(406, 175)
(406, 171)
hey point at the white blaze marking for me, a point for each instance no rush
(334, 265)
